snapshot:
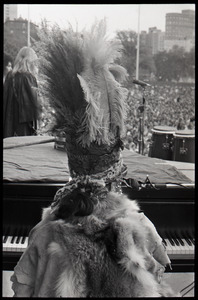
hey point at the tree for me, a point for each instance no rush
(175, 64)
(146, 62)
(128, 60)
(14, 40)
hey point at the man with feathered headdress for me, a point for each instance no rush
(92, 241)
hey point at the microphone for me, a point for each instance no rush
(139, 82)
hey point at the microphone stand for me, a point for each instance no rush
(142, 111)
(141, 124)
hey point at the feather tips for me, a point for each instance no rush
(80, 75)
(61, 60)
(106, 92)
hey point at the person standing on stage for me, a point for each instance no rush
(7, 62)
(20, 103)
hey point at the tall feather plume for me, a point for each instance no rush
(61, 59)
(81, 82)
(104, 118)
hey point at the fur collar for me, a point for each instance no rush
(118, 236)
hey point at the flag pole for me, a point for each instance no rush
(138, 45)
(28, 28)
(141, 125)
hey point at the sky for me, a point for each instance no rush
(118, 16)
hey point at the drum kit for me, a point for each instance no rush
(167, 142)
(171, 144)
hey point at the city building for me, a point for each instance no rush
(180, 30)
(153, 40)
(10, 12)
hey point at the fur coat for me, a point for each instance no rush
(113, 252)
(20, 105)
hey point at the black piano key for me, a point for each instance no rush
(23, 240)
(6, 234)
(175, 239)
(18, 239)
(170, 239)
(163, 240)
(189, 242)
(179, 239)
(193, 241)
(191, 237)
(14, 237)
(19, 236)
(186, 237)
(5, 239)
(12, 240)
(181, 242)
(24, 234)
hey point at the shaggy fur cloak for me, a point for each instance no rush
(114, 252)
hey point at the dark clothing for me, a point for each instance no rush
(20, 106)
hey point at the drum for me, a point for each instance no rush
(184, 146)
(162, 142)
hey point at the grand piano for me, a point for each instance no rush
(33, 170)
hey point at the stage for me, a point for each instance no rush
(34, 159)
(33, 170)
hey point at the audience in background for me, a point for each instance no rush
(165, 105)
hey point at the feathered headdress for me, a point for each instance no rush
(81, 81)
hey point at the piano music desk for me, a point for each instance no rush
(138, 167)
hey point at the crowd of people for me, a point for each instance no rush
(167, 104)
(157, 104)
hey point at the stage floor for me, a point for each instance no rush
(188, 169)
(29, 159)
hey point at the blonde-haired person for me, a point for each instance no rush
(20, 110)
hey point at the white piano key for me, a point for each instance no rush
(25, 244)
(174, 248)
(7, 245)
(187, 247)
(180, 249)
(192, 249)
(14, 245)
(169, 247)
(18, 245)
(183, 248)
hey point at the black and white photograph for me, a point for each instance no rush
(98, 150)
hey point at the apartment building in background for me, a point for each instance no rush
(180, 30)
(10, 12)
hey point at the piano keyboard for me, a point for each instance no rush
(14, 244)
(15, 240)
(177, 247)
